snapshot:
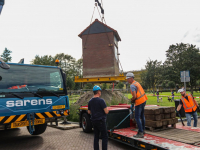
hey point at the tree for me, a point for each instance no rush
(152, 75)
(104, 86)
(144, 83)
(182, 57)
(120, 85)
(44, 60)
(88, 86)
(6, 55)
(171, 84)
(70, 83)
(68, 64)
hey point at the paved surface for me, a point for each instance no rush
(52, 139)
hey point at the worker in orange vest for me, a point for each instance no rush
(139, 98)
(190, 106)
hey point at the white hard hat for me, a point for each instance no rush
(181, 90)
(129, 75)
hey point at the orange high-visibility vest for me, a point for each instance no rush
(189, 104)
(17, 87)
(141, 96)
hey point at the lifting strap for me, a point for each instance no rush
(31, 118)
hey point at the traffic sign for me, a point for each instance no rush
(185, 76)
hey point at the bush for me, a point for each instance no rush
(73, 113)
(120, 85)
(104, 86)
(88, 86)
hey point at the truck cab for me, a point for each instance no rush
(31, 95)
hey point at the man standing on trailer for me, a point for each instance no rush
(98, 110)
(190, 106)
(139, 98)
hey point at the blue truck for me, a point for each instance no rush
(32, 96)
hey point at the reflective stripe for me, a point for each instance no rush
(20, 118)
(9, 119)
(40, 115)
(140, 96)
(1, 118)
(138, 91)
(48, 114)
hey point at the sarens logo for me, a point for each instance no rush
(26, 102)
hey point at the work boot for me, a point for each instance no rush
(139, 135)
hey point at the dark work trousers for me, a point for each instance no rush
(139, 114)
(100, 127)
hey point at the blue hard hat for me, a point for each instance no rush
(96, 88)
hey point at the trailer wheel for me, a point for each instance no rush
(39, 129)
(86, 123)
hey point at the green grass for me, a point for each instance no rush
(196, 94)
(152, 100)
(73, 98)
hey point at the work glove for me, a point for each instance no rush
(132, 100)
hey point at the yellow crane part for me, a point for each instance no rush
(108, 79)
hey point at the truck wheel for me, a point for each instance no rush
(39, 129)
(86, 123)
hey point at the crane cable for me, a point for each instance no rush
(103, 18)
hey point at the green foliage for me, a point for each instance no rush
(114, 102)
(180, 57)
(73, 113)
(68, 64)
(6, 55)
(104, 86)
(165, 84)
(120, 85)
(152, 75)
(88, 86)
(171, 84)
(44, 60)
(70, 83)
(77, 86)
(110, 86)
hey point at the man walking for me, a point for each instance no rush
(139, 98)
(98, 110)
(157, 93)
(190, 106)
(172, 95)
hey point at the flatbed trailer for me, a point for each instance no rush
(174, 138)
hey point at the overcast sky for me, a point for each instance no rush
(146, 27)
